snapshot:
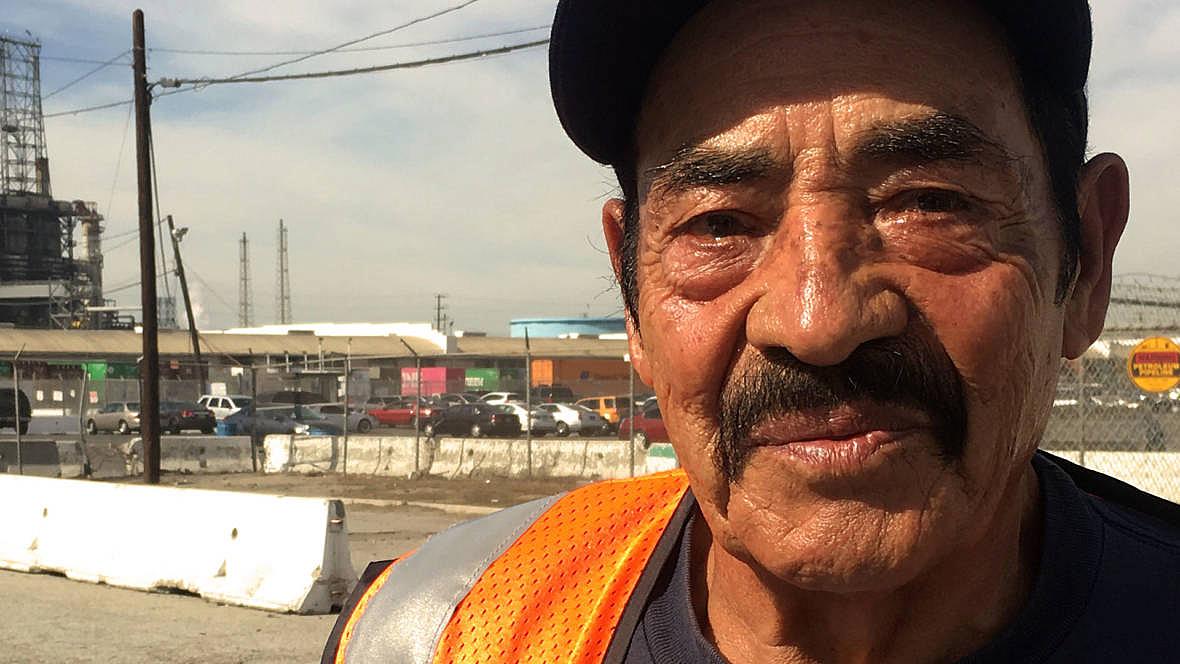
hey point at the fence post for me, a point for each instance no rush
(417, 407)
(631, 418)
(528, 387)
(347, 379)
(20, 459)
(1084, 401)
(254, 439)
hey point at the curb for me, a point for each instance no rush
(472, 510)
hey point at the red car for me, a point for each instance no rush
(400, 413)
(649, 426)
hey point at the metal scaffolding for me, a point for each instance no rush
(23, 165)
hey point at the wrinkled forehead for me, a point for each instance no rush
(823, 70)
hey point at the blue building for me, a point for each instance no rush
(552, 328)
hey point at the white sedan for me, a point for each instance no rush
(575, 419)
(543, 421)
(501, 397)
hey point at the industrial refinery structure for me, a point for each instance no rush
(50, 249)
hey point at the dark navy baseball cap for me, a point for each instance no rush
(602, 53)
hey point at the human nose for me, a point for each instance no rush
(822, 292)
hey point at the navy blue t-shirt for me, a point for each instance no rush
(1107, 590)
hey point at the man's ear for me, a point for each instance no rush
(612, 230)
(1103, 206)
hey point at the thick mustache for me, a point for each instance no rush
(901, 371)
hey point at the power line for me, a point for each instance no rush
(459, 57)
(155, 177)
(88, 109)
(114, 104)
(228, 307)
(85, 76)
(361, 49)
(60, 58)
(381, 33)
(119, 163)
(107, 291)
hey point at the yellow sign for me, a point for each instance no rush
(1154, 365)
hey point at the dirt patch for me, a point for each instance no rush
(493, 492)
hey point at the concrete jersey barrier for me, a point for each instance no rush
(391, 456)
(38, 457)
(268, 552)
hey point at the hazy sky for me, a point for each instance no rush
(454, 179)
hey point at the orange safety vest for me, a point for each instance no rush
(548, 581)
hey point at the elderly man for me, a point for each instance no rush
(854, 240)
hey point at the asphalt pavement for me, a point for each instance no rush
(47, 618)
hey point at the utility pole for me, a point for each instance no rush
(245, 293)
(188, 303)
(438, 312)
(149, 411)
(283, 291)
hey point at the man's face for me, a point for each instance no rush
(847, 264)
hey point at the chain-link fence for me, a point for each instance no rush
(1103, 420)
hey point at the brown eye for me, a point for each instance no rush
(936, 201)
(717, 226)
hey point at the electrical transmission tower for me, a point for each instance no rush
(283, 287)
(439, 316)
(245, 295)
(24, 167)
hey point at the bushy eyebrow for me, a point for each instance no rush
(926, 140)
(916, 141)
(701, 166)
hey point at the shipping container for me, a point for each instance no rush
(435, 380)
(584, 377)
(486, 380)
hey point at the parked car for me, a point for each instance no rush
(611, 408)
(501, 397)
(120, 416)
(178, 416)
(648, 426)
(576, 419)
(403, 412)
(553, 394)
(358, 420)
(381, 401)
(15, 412)
(224, 405)
(542, 421)
(454, 398)
(475, 420)
(291, 397)
(264, 422)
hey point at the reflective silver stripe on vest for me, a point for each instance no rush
(404, 620)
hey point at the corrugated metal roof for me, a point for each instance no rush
(613, 349)
(110, 344)
(128, 345)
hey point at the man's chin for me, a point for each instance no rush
(839, 543)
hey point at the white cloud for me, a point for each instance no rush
(452, 179)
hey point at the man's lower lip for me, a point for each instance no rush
(842, 454)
